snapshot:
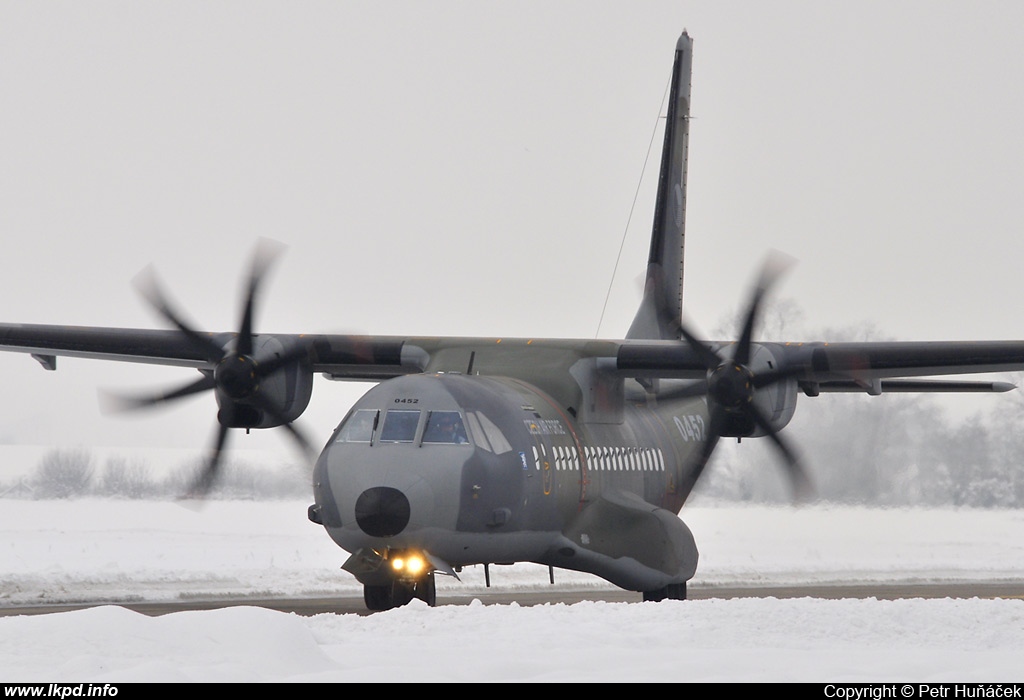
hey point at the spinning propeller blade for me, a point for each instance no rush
(731, 384)
(118, 403)
(238, 370)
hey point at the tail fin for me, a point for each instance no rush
(661, 309)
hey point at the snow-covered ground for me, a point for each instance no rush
(88, 550)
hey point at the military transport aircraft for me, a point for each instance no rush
(576, 454)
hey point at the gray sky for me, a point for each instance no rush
(464, 168)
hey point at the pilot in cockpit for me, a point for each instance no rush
(446, 427)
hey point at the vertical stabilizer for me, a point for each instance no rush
(660, 311)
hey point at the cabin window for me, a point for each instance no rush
(400, 426)
(445, 427)
(359, 427)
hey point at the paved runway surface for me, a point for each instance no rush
(354, 604)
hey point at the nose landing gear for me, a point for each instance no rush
(393, 578)
(397, 593)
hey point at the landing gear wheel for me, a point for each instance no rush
(379, 597)
(426, 590)
(403, 593)
(673, 591)
(398, 593)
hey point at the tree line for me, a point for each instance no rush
(888, 450)
(76, 473)
(897, 450)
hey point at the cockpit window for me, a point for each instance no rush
(359, 427)
(478, 432)
(497, 438)
(445, 427)
(400, 426)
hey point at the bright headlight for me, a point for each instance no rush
(410, 564)
(415, 564)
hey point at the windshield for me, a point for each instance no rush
(400, 426)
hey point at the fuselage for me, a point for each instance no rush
(515, 478)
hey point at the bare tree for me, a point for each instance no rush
(63, 474)
(126, 479)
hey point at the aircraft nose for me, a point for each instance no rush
(382, 511)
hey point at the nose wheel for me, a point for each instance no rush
(397, 593)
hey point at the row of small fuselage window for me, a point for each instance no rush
(601, 458)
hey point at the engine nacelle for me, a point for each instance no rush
(776, 402)
(288, 389)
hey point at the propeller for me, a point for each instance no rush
(731, 385)
(238, 369)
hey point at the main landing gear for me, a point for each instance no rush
(673, 591)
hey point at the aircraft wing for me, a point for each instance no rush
(815, 366)
(855, 366)
(348, 356)
(158, 347)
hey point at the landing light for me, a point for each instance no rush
(410, 564)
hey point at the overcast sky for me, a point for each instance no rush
(464, 168)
